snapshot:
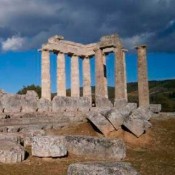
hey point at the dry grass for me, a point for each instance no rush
(153, 153)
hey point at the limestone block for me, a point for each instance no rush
(70, 103)
(44, 105)
(101, 122)
(11, 152)
(13, 137)
(137, 126)
(103, 102)
(155, 108)
(120, 103)
(115, 117)
(11, 103)
(29, 102)
(102, 168)
(141, 113)
(48, 146)
(27, 134)
(128, 109)
(100, 148)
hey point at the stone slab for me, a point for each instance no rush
(98, 148)
(102, 168)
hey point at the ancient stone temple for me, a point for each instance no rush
(107, 44)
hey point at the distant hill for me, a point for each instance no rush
(161, 92)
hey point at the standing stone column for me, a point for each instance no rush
(61, 82)
(105, 75)
(120, 80)
(45, 75)
(143, 88)
(86, 78)
(75, 84)
(100, 90)
(125, 76)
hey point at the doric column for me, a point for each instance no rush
(86, 78)
(120, 80)
(61, 84)
(105, 75)
(100, 90)
(125, 76)
(45, 75)
(143, 89)
(75, 84)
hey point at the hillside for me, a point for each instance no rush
(161, 92)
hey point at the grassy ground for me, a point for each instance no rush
(153, 153)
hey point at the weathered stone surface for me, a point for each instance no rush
(115, 117)
(99, 148)
(27, 134)
(127, 110)
(155, 108)
(103, 168)
(70, 103)
(48, 146)
(10, 103)
(141, 113)
(101, 122)
(137, 126)
(45, 75)
(44, 105)
(103, 102)
(120, 103)
(11, 152)
(13, 137)
(29, 102)
(143, 88)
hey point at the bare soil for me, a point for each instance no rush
(153, 153)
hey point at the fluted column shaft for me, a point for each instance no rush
(61, 82)
(100, 90)
(143, 88)
(75, 84)
(120, 81)
(45, 75)
(105, 76)
(86, 78)
(125, 76)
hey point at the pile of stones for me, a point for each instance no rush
(129, 117)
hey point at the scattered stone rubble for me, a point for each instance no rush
(24, 119)
(136, 120)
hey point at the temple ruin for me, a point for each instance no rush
(107, 44)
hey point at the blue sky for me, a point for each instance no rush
(18, 69)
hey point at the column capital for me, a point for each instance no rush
(141, 46)
(125, 50)
(97, 48)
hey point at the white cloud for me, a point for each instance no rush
(133, 41)
(13, 44)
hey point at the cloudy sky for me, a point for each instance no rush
(26, 24)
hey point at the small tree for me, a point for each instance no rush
(33, 87)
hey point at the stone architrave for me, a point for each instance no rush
(143, 88)
(61, 84)
(100, 80)
(120, 80)
(86, 78)
(45, 81)
(75, 84)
